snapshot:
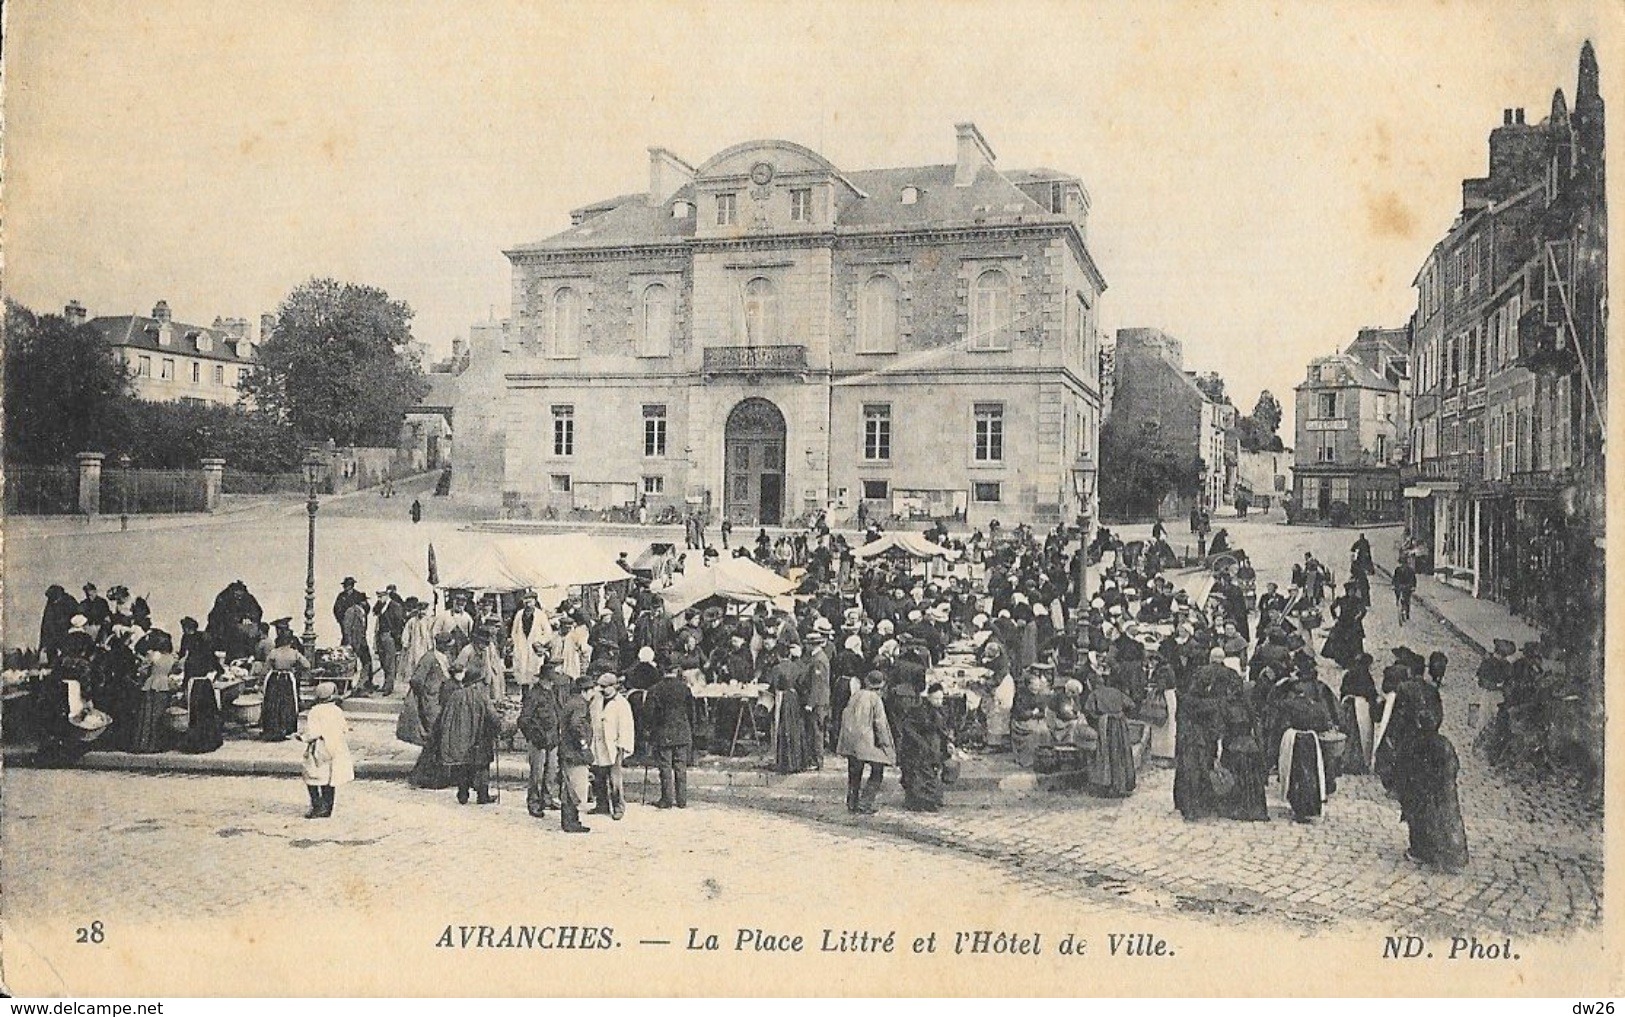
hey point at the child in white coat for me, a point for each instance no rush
(327, 761)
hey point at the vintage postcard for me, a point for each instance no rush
(854, 498)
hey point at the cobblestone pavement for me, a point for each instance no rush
(216, 875)
(1535, 847)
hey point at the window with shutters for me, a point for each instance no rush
(727, 209)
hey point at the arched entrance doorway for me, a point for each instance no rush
(753, 450)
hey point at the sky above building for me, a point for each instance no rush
(1265, 179)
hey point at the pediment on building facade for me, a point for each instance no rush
(769, 158)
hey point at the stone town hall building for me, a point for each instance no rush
(768, 334)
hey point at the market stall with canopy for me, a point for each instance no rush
(738, 580)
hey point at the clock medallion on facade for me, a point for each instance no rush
(761, 173)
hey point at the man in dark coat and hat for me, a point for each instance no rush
(468, 727)
(672, 737)
(575, 752)
(539, 720)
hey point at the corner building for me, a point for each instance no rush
(768, 334)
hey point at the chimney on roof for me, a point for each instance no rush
(667, 175)
(160, 311)
(1517, 115)
(74, 312)
(971, 154)
(1506, 117)
(267, 326)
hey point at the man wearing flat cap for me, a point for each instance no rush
(575, 752)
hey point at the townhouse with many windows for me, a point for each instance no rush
(171, 361)
(767, 334)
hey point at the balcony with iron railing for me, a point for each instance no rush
(734, 361)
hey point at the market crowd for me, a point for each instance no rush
(881, 661)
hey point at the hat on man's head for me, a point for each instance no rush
(325, 691)
(78, 621)
(1505, 646)
(348, 581)
(608, 678)
(646, 654)
(90, 587)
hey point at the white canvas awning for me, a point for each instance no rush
(1418, 491)
(913, 544)
(564, 559)
(737, 579)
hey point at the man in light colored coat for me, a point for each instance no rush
(613, 739)
(866, 741)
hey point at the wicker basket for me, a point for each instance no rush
(178, 719)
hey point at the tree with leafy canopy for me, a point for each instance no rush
(1212, 386)
(65, 388)
(338, 365)
(1139, 468)
(1258, 430)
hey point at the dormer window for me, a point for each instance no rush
(681, 210)
(911, 195)
(801, 204)
(205, 342)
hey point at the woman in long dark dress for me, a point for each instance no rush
(1346, 640)
(433, 685)
(1243, 755)
(1427, 797)
(279, 715)
(790, 752)
(1301, 715)
(1198, 726)
(157, 682)
(114, 685)
(205, 728)
(1357, 699)
(1111, 772)
(922, 746)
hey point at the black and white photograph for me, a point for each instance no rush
(806, 499)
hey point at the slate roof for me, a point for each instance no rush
(139, 332)
(1354, 372)
(631, 221)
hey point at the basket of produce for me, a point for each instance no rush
(1332, 743)
(178, 719)
(90, 725)
(334, 662)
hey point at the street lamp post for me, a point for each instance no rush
(313, 471)
(124, 491)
